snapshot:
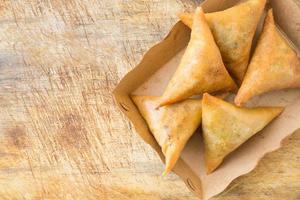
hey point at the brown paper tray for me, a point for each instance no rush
(156, 68)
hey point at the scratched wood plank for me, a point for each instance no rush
(61, 135)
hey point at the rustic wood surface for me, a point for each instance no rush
(61, 134)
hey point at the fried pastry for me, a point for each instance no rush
(233, 30)
(226, 127)
(201, 68)
(171, 125)
(274, 65)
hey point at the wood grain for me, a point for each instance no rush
(61, 134)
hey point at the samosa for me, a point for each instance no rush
(171, 125)
(226, 127)
(274, 65)
(233, 30)
(201, 68)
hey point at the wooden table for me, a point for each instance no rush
(62, 136)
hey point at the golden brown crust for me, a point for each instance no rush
(226, 127)
(201, 68)
(186, 18)
(171, 125)
(233, 30)
(274, 65)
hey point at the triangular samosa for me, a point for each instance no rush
(171, 125)
(226, 126)
(201, 68)
(274, 65)
(233, 30)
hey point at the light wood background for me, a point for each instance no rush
(61, 134)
